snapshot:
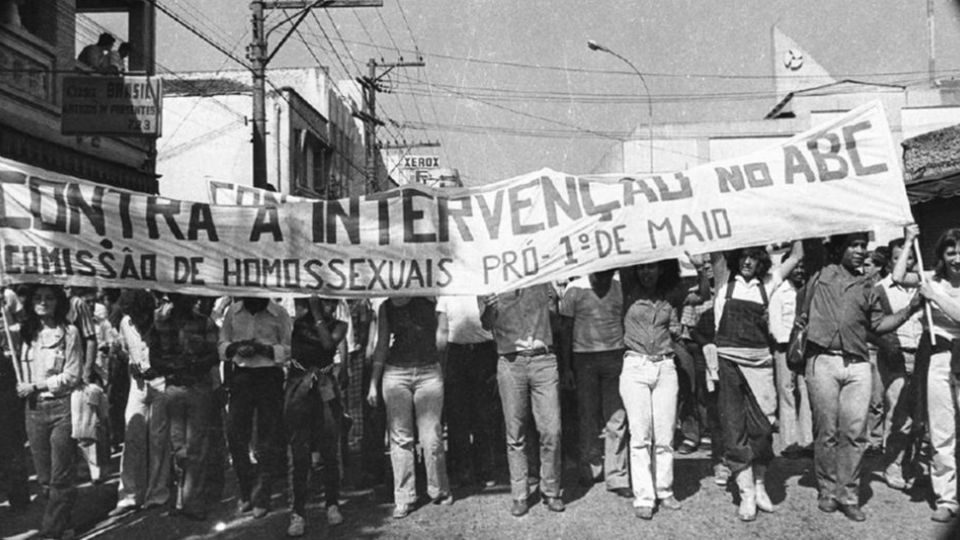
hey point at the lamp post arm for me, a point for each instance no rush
(646, 90)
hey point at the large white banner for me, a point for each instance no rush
(840, 177)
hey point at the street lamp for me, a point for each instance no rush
(594, 46)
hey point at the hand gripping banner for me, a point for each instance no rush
(843, 176)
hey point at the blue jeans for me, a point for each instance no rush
(414, 400)
(531, 384)
(50, 431)
(649, 390)
(840, 393)
(191, 412)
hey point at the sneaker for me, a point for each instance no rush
(853, 512)
(688, 447)
(122, 509)
(519, 507)
(943, 514)
(555, 504)
(244, 506)
(893, 476)
(401, 510)
(297, 525)
(827, 505)
(670, 503)
(334, 517)
(259, 512)
(721, 474)
(445, 499)
(643, 512)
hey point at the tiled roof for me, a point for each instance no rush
(932, 155)
(931, 165)
(203, 87)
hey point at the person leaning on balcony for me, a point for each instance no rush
(97, 55)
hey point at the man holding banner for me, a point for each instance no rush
(844, 307)
(529, 382)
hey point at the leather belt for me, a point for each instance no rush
(527, 353)
(648, 357)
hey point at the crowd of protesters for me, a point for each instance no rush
(658, 363)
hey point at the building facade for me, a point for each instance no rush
(37, 50)
(911, 111)
(314, 144)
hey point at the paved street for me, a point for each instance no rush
(708, 512)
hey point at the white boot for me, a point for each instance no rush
(748, 495)
(763, 499)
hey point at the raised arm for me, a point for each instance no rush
(900, 275)
(791, 262)
(379, 354)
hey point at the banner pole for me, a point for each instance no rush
(923, 279)
(6, 326)
(13, 352)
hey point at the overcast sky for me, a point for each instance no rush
(510, 87)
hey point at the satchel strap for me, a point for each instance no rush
(808, 291)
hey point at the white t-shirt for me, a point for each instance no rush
(463, 319)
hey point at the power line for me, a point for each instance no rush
(430, 99)
(333, 50)
(176, 18)
(522, 65)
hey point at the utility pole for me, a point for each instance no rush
(257, 53)
(931, 44)
(371, 85)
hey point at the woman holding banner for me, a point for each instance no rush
(413, 394)
(747, 397)
(941, 346)
(52, 359)
(648, 381)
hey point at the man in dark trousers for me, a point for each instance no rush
(255, 340)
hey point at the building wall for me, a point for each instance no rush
(206, 138)
(309, 153)
(30, 104)
(910, 112)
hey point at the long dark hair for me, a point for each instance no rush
(949, 239)
(758, 252)
(31, 326)
(183, 306)
(138, 304)
(667, 281)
